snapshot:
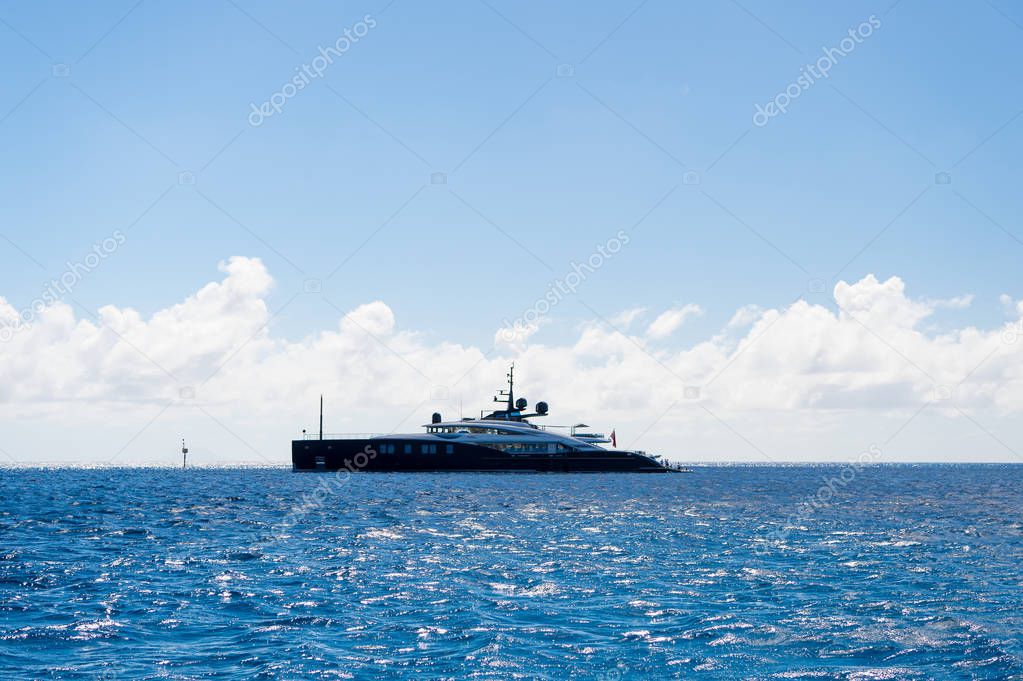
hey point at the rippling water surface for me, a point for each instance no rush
(899, 573)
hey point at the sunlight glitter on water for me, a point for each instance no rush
(138, 574)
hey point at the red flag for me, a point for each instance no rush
(614, 440)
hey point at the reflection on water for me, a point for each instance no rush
(908, 572)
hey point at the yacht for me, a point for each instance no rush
(503, 440)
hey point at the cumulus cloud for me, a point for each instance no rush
(513, 337)
(870, 351)
(669, 321)
(744, 316)
(955, 303)
(624, 319)
(1013, 308)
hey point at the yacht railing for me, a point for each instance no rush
(341, 436)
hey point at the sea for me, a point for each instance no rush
(724, 572)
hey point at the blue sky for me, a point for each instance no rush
(105, 107)
(562, 171)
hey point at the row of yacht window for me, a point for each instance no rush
(474, 430)
(531, 447)
(408, 449)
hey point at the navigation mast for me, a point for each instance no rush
(509, 394)
(511, 387)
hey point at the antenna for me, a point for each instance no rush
(184, 454)
(509, 394)
(321, 417)
(511, 387)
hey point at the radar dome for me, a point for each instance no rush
(521, 403)
(436, 417)
(541, 408)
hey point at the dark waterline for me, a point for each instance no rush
(728, 572)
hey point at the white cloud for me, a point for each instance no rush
(1012, 308)
(375, 318)
(745, 316)
(514, 336)
(804, 364)
(624, 319)
(955, 303)
(670, 320)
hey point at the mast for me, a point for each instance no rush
(511, 388)
(509, 395)
(321, 417)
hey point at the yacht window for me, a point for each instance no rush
(408, 449)
(450, 449)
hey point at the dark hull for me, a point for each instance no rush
(370, 456)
